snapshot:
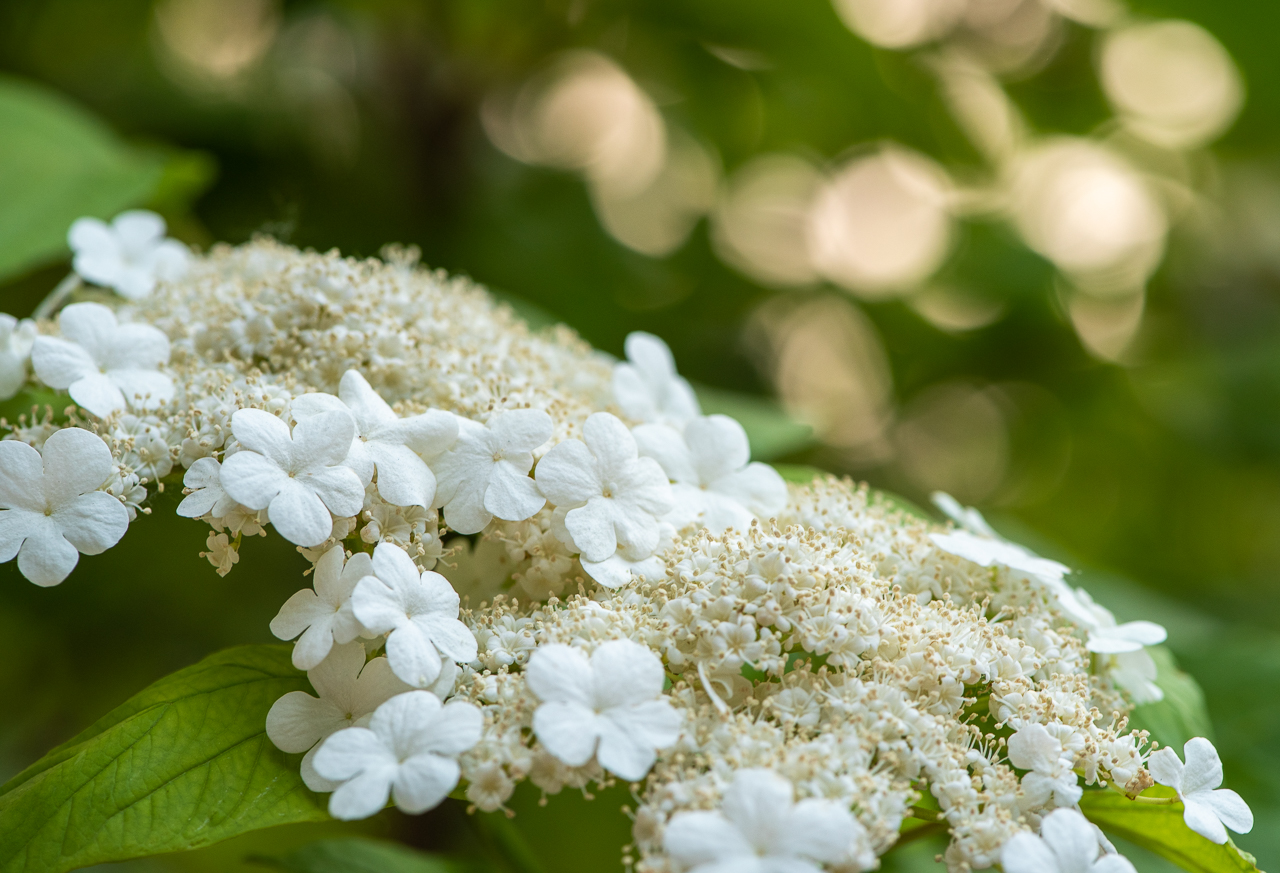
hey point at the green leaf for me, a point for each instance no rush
(184, 763)
(1182, 714)
(61, 163)
(1159, 828)
(800, 474)
(772, 433)
(357, 855)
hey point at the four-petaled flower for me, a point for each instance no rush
(613, 497)
(128, 255)
(1052, 779)
(1206, 807)
(1067, 844)
(408, 752)
(16, 339)
(384, 442)
(610, 706)
(715, 485)
(350, 690)
(204, 478)
(298, 478)
(50, 508)
(323, 616)
(759, 828)
(419, 610)
(1106, 637)
(647, 386)
(103, 364)
(486, 473)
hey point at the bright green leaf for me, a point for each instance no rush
(1182, 714)
(772, 433)
(184, 763)
(357, 855)
(1159, 828)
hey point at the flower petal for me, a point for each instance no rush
(297, 513)
(624, 673)
(351, 751)
(592, 529)
(377, 606)
(1166, 768)
(454, 730)
(819, 829)
(1204, 767)
(666, 445)
(1203, 819)
(91, 326)
(424, 781)
(717, 446)
(512, 495)
(414, 658)
(338, 487)
(15, 526)
(97, 393)
(46, 558)
(557, 672)
(567, 474)
(1230, 808)
(366, 405)
(695, 838)
(1069, 835)
(404, 479)
(621, 752)
(264, 433)
(136, 347)
(92, 522)
(322, 440)
(297, 721)
(21, 477)
(520, 431)
(311, 778)
(756, 801)
(568, 731)
(252, 479)
(58, 363)
(1027, 853)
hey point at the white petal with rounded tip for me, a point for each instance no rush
(297, 721)
(1068, 834)
(621, 752)
(404, 479)
(694, 838)
(1230, 809)
(297, 513)
(90, 325)
(89, 234)
(567, 474)
(21, 477)
(377, 606)
(58, 363)
(92, 522)
(46, 558)
(756, 800)
(137, 229)
(414, 658)
(1027, 853)
(263, 433)
(511, 494)
(15, 526)
(1166, 768)
(423, 782)
(97, 393)
(593, 530)
(251, 479)
(625, 673)
(349, 751)
(1202, 819)
(520, 431)
(1112, 864)
(667, 446)
(819, 829)
(454, 730)
(315, 403)
(1203, 766)
(136, 347)
(557, 672)
(75, 462)
(717, 446)
(450, 636)
(567, 730)
(338, 487)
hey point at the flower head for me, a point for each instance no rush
(1207, 808)
(323, 616)
(759, 828)
(419, 610)
(1067, 844)
(51, 510)
(298, 478)
(408, 752)
(486, 474)
(391, 446)
(610, 706)
(103, 364)
(647, 386)
(715, 485)
(1051, 779)
(129, 254)
(613, 497)
(349, 691)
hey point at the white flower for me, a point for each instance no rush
(128, 255)
(103, 364)
(614, 497)
(408, 752)
(759, 828)
(647, 387)
(1108, 638)
(1051, 778)
(323, 616)
(350, 690)
(16, 339)
(1206, 806)
(715, 485)
(617, 570)
(1067, 844)
(420, 611)
(1136, 673)
(486, 473)
(384, 442)
(966, 517)
(610, 706)
(298, 478)
(222, 552)
(204, 478)
(50, 509)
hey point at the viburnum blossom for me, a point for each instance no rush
(486, 474)
(759, 828)
(103, 364)
(323, 616)
(128, 255)
(16, 339)
(715, 484)
(204, 479)
(647, 387)
(419, 611)
(408, 753)
(51, 510)
(613, 497)
(1109, 638)
(394, 447)
(1052, 778)
(349, 691)
(1207, 809)
(1067, 844)
(298, 477)
(609, 705)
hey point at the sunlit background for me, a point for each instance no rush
(1025, 251)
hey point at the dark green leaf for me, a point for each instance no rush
(357, 855)
(1182, 714)
(184, 763)
(772, 433)
(1159, 828)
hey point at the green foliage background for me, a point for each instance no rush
(1171, 496)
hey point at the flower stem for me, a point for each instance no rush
(51, 304)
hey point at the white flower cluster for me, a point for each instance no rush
(533, 563)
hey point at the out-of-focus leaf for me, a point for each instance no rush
(184, 763)
(801, 474)
(1159, 828)
(38, 397)
(60, 163)
(772, 433)
(357, 855)
(1182, 714)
